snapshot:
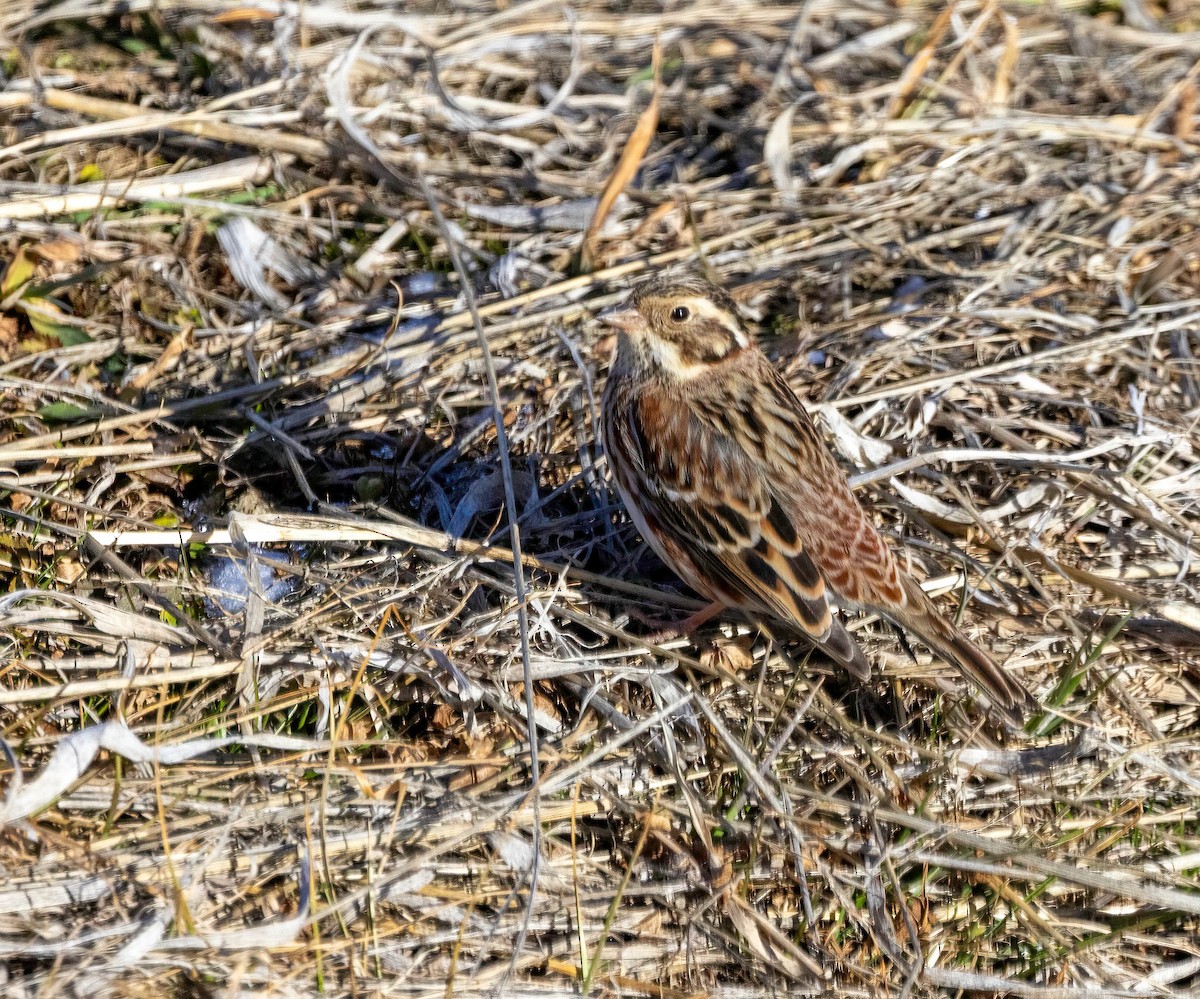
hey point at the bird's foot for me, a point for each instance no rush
(679, 629)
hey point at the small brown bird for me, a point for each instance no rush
(726, 477)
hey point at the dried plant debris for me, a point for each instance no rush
(269, 686)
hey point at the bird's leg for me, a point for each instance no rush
(680, 628)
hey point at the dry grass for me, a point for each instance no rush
(244, 248)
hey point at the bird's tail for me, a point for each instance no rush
(925, 621)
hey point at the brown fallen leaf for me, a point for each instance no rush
(59, 251)
(767, 942)
(627, 165)
(243, 15)
(912, 75)
(1007, 64)
(735, 656)
(166, 361)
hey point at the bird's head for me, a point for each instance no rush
(677, 327)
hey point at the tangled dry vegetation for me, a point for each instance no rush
(269, 674)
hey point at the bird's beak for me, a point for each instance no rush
(621, 317)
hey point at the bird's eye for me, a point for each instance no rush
(681, 313)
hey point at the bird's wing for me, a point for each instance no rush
(851, 556)
(854, 560)
(710, 497)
